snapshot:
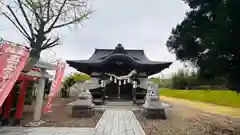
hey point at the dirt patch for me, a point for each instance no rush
(206, 107)
(60, 116)
(187, 121)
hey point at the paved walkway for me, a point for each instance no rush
(118, 122)
(45, 131)
(113, 122)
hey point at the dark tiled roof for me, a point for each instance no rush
(136, 57)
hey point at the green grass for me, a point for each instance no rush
(219, 97)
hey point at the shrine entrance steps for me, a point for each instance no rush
(118, 122)
(118, 104)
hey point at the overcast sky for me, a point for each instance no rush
(136, 24)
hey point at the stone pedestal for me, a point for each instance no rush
(153, 112)
(153, 108)
(82, 108)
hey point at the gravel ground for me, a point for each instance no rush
(60, 116)
(181, 120)
(187, 121)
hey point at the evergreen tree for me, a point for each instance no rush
(208, 37)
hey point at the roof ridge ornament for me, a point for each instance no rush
(119, 48)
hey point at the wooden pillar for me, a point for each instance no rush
(20, 103)
(134, 95)
(119, 90)
(39, 99)
(134, 91)
(7, 108)
(1, 109)
(102, 91)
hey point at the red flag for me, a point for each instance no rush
(48, 107)
(55, 85)
(12, 60)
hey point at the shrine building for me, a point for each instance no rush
(118, 73)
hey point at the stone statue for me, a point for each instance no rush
(83, 106)
(85, 94)
(154, 89)
(153, 108)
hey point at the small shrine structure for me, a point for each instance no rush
(37, 73)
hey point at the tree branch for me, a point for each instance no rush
(18, 22)
(33, 10)
(73, 21)
(15, 25)
(26, 19)
(51, 44)
(47, 42)
(57, 17)
(48, 9)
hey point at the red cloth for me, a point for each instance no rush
(12, 60)
(55, 85)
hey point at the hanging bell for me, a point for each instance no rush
(124, 82)
(111, 78)
(119, 82)
(128, 80)
(115, 80)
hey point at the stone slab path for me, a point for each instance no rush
(113, 122)
(118, 122)
(45, 131)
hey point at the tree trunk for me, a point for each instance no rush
(33, 59)
(68, 92)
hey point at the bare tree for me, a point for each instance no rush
(37, 19)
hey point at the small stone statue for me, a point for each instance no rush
(151, 94)
(85, 93)
(149, 88)
(154, 89)
(152, 108)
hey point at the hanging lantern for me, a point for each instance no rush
(119, 82)
(124, 82)
(111, 78)
(115, 80)
(128, 80)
